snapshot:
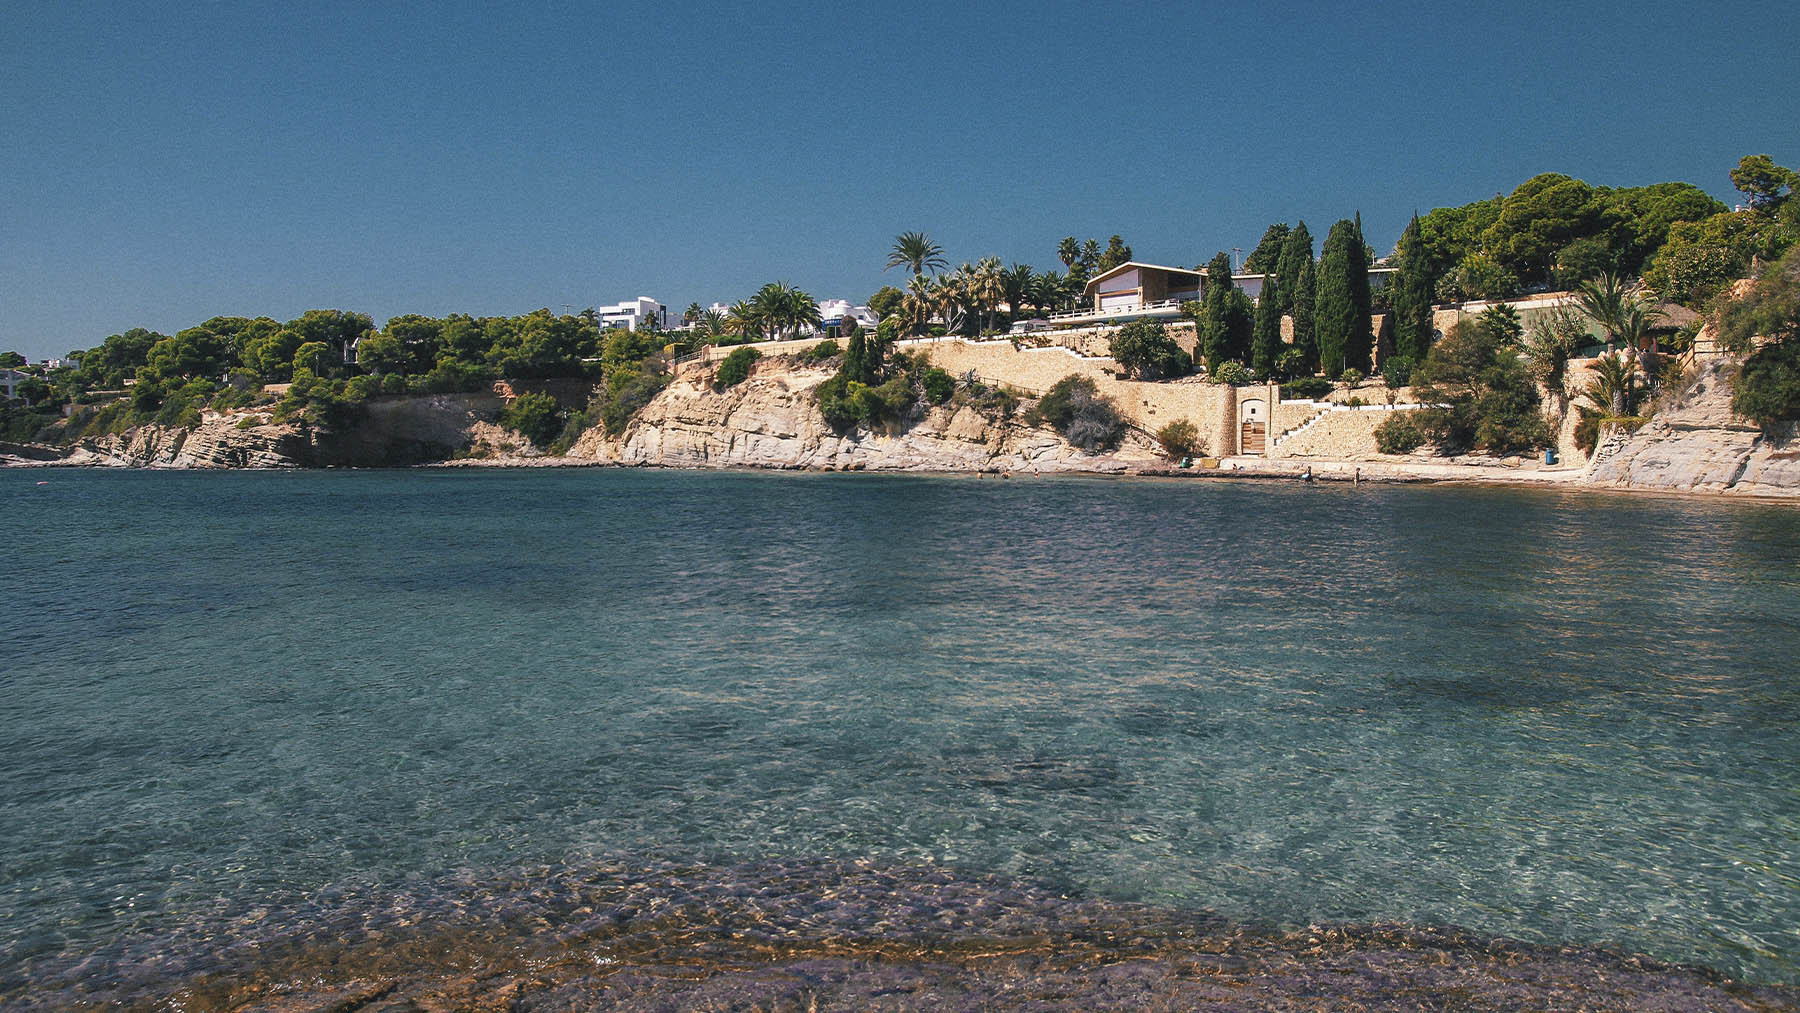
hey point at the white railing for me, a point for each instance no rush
(1112, 311)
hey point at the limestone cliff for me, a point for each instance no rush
(390, 432)
(1698, 446)
(770, 421)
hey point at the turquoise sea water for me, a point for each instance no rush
(1557, 717)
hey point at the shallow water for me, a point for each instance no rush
(243, 704)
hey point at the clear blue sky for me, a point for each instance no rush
(168, 162)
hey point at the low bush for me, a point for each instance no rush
(1074, 407)
(939, 385)
(1397, 371)
(827, 349)
(1399, 434)
(736, 368)
(533, 416)
(1231, 371)
(1180, 439)
(1306, 388)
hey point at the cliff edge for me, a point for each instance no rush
(1699, 445)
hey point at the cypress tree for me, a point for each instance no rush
(1360, 344)
(1266, 344)
(1334, 311)
(1296, 251)
(1414, 285)
(1240, 324)
(1215, 332)
(856, 359)
(1306, 337)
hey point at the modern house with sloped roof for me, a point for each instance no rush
(1136, 290)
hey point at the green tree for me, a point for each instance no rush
(1296, 253)
(1540, 217)
(886, 302)
(1306, 337)
(11, 360)
(1116, 253)
(312, 356)
(1266, 258)
(1068, 251)
(1341, 307)
(1413, 290)
(917, 253)
(534, 416)
(1226, 319)
(1482, 397)
(1763, 183)
(1265, 340)
(1144, 349)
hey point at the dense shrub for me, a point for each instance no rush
(939, 385)
(626, 391)
(1768, 387)
(1074, 407)
(736, 368)
(1481, 395)
(1144, 349)
(534, 416)
(1306, 388)
(1400, 434)
(1180, 439)
(1231, 371)
(827, 349)
(1397, 371)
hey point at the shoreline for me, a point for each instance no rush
(839, 933)
(1451, 472)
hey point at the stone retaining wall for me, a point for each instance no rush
(1342, 435)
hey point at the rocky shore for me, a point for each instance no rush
(834, 934)
(771, 422)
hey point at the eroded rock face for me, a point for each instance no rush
(1700, 446)
(770, 421)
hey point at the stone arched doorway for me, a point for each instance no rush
(1253, 425)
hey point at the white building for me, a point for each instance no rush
(631, 313)
(839, 313)
(10, 380)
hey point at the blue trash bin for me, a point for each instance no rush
(1550, 456)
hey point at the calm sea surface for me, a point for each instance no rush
(1566, 718)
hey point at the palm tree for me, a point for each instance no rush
(917, 304)
(692, 314)
(783, 309)
(1614, 389)
(744, 320)
(710, 323)
(947, 297)
(916, 251)
(1603, 299)
(988, 286)
(1017, 284)
(1068, 251)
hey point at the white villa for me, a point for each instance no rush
(839, 313)
(1134, 290)
(631, 313)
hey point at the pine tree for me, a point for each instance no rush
(1296, 251)
(1413, 287)
(1304, 298)
(1266, 343)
